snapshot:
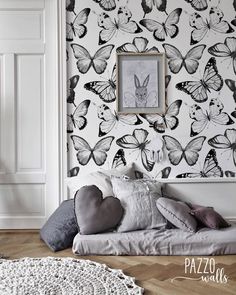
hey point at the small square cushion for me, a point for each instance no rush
(61, 227)
(209, 217)
(177, 213)
(138, 198)
(99, 178)
(94, 213)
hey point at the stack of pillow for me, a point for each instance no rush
(114, 200)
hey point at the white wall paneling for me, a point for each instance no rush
(8, 112)
(26, 25)
(17, 200)
(1, 115)
(26, 4)
(29, 112)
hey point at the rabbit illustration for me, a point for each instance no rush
(141, 92)
(141, 97)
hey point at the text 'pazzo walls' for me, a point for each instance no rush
(196, 137)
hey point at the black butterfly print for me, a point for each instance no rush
(85, 152)
(138, 141)
(233, 114)
(198, 5)
(78, 28)
(190, 61)
(85, 61)
(203, 118)
(210, 168)
(177, 152)
(140, 175)
(226, 141)
(167, 80)
(226, 49)
(110, 119)
(148, 5)
(107, 5)
(138, 45)
(233, 22)
(164, 174)
(71, 84)
(67, 55)
(230, 173)
(119, 159)
(70, 6)
(77, 119)
(162, 30)
(232, 86)
(198, 89)
(73, 172)
(160, 122)
(202, 27)
(124, 24)
(105, 89)
(234, 5)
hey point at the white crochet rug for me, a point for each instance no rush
(63, 276)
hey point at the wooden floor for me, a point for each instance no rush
(154, 273)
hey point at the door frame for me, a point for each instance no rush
(55, 135)
(62, 94)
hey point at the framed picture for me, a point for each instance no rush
(140, 83)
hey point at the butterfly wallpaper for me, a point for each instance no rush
(196, 135)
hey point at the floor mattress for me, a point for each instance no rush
(158, 242)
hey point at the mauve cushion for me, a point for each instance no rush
(196, 206)
(209, 217)
(60, 229)
(94, 213)
(177, 213)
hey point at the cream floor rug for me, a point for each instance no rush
(63, 276)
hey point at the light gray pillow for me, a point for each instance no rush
(177, 213)
(99, 178)
(138, 198)
(94, 213)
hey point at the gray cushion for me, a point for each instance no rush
(138, 198)
(177, 213)
(60, 229)
(95, 214)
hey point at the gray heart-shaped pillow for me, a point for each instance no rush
(95, 214)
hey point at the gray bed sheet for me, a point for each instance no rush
(158, 242)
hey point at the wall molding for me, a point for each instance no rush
(199, 180)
